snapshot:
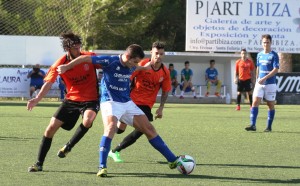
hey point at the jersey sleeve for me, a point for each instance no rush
(276, 60)
(52, 73)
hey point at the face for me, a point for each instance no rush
(75, 51)
(212, 64)
(131, 62)
(266, 43)
(171, 68)
(243, 54)
(157, 55)
(187, 66)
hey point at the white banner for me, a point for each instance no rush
(14, 83)
(229, 26)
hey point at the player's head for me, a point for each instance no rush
(212, 62)
(243, 53)
(133, 55)
(171, 66)
(266, 42)
(71, 43)
(186, 64)
(157, 51)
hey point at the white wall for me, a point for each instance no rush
(29, 50)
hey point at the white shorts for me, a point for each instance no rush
(265, 91)
(123, 111)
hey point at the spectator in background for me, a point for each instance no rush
(244, 77)
(173, 75)
(62, 87)
(186, 80)
(211, 78)
(36, 76)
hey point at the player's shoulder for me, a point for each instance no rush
(87, 53)
(144, 61)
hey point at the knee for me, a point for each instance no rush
(119, 131)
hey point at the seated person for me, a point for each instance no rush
(37, 79)
(62, 88)
(173, 75)
(186, 80)
(211, 78)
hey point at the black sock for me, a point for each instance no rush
(44, 148)
(250, 99)
(238, 99)
(128, 140)
(80, 132)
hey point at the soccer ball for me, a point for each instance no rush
(186, 164)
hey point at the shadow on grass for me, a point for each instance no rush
(41, 104)
(191, 176)
(252, 166)
(15, 138)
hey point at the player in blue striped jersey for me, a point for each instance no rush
(265, 86)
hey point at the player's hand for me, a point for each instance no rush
(31, 103)
(61, 69)
(158, 113)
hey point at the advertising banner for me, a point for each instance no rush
(14, 83)
(229, 26)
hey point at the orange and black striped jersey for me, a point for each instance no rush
(147, 84)
(81, 81)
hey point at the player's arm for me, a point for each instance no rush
(159, 111)
(147, 66)
(271, 74)
(81, 59)
(44, 90)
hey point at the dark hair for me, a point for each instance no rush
(158, 45)
(267, 36)
(243, 49)
(186, 62)
(171, 65)
(135, 50)
(211, 61)
(69, 39)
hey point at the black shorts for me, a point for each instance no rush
(147, 110)
(243, 86)
(69, 112)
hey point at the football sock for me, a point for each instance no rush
(44, 148)
(182, 92)
(250, 99)
(160, 145)
(253, 115)
(80, 132)
(271, 114)
(104, 148)
(128, 140)
(238, 99)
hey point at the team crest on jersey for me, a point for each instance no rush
(86, 67)
(270, 57)
(161, 79)
(118, 68)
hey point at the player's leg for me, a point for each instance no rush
(240, 89)
(87, 121)
(45, 145)
(130, 138)
(31, 90)
(184, 86)
(257, 96)
(218, 88)
(248, 89)
(111, 113)
(208, 85)
(191, 86)
(270, 95)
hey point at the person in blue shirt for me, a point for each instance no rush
(186, 80)
(265, 86)
(36, 76)
(173, 75)
(116, 104)
(211, 78)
